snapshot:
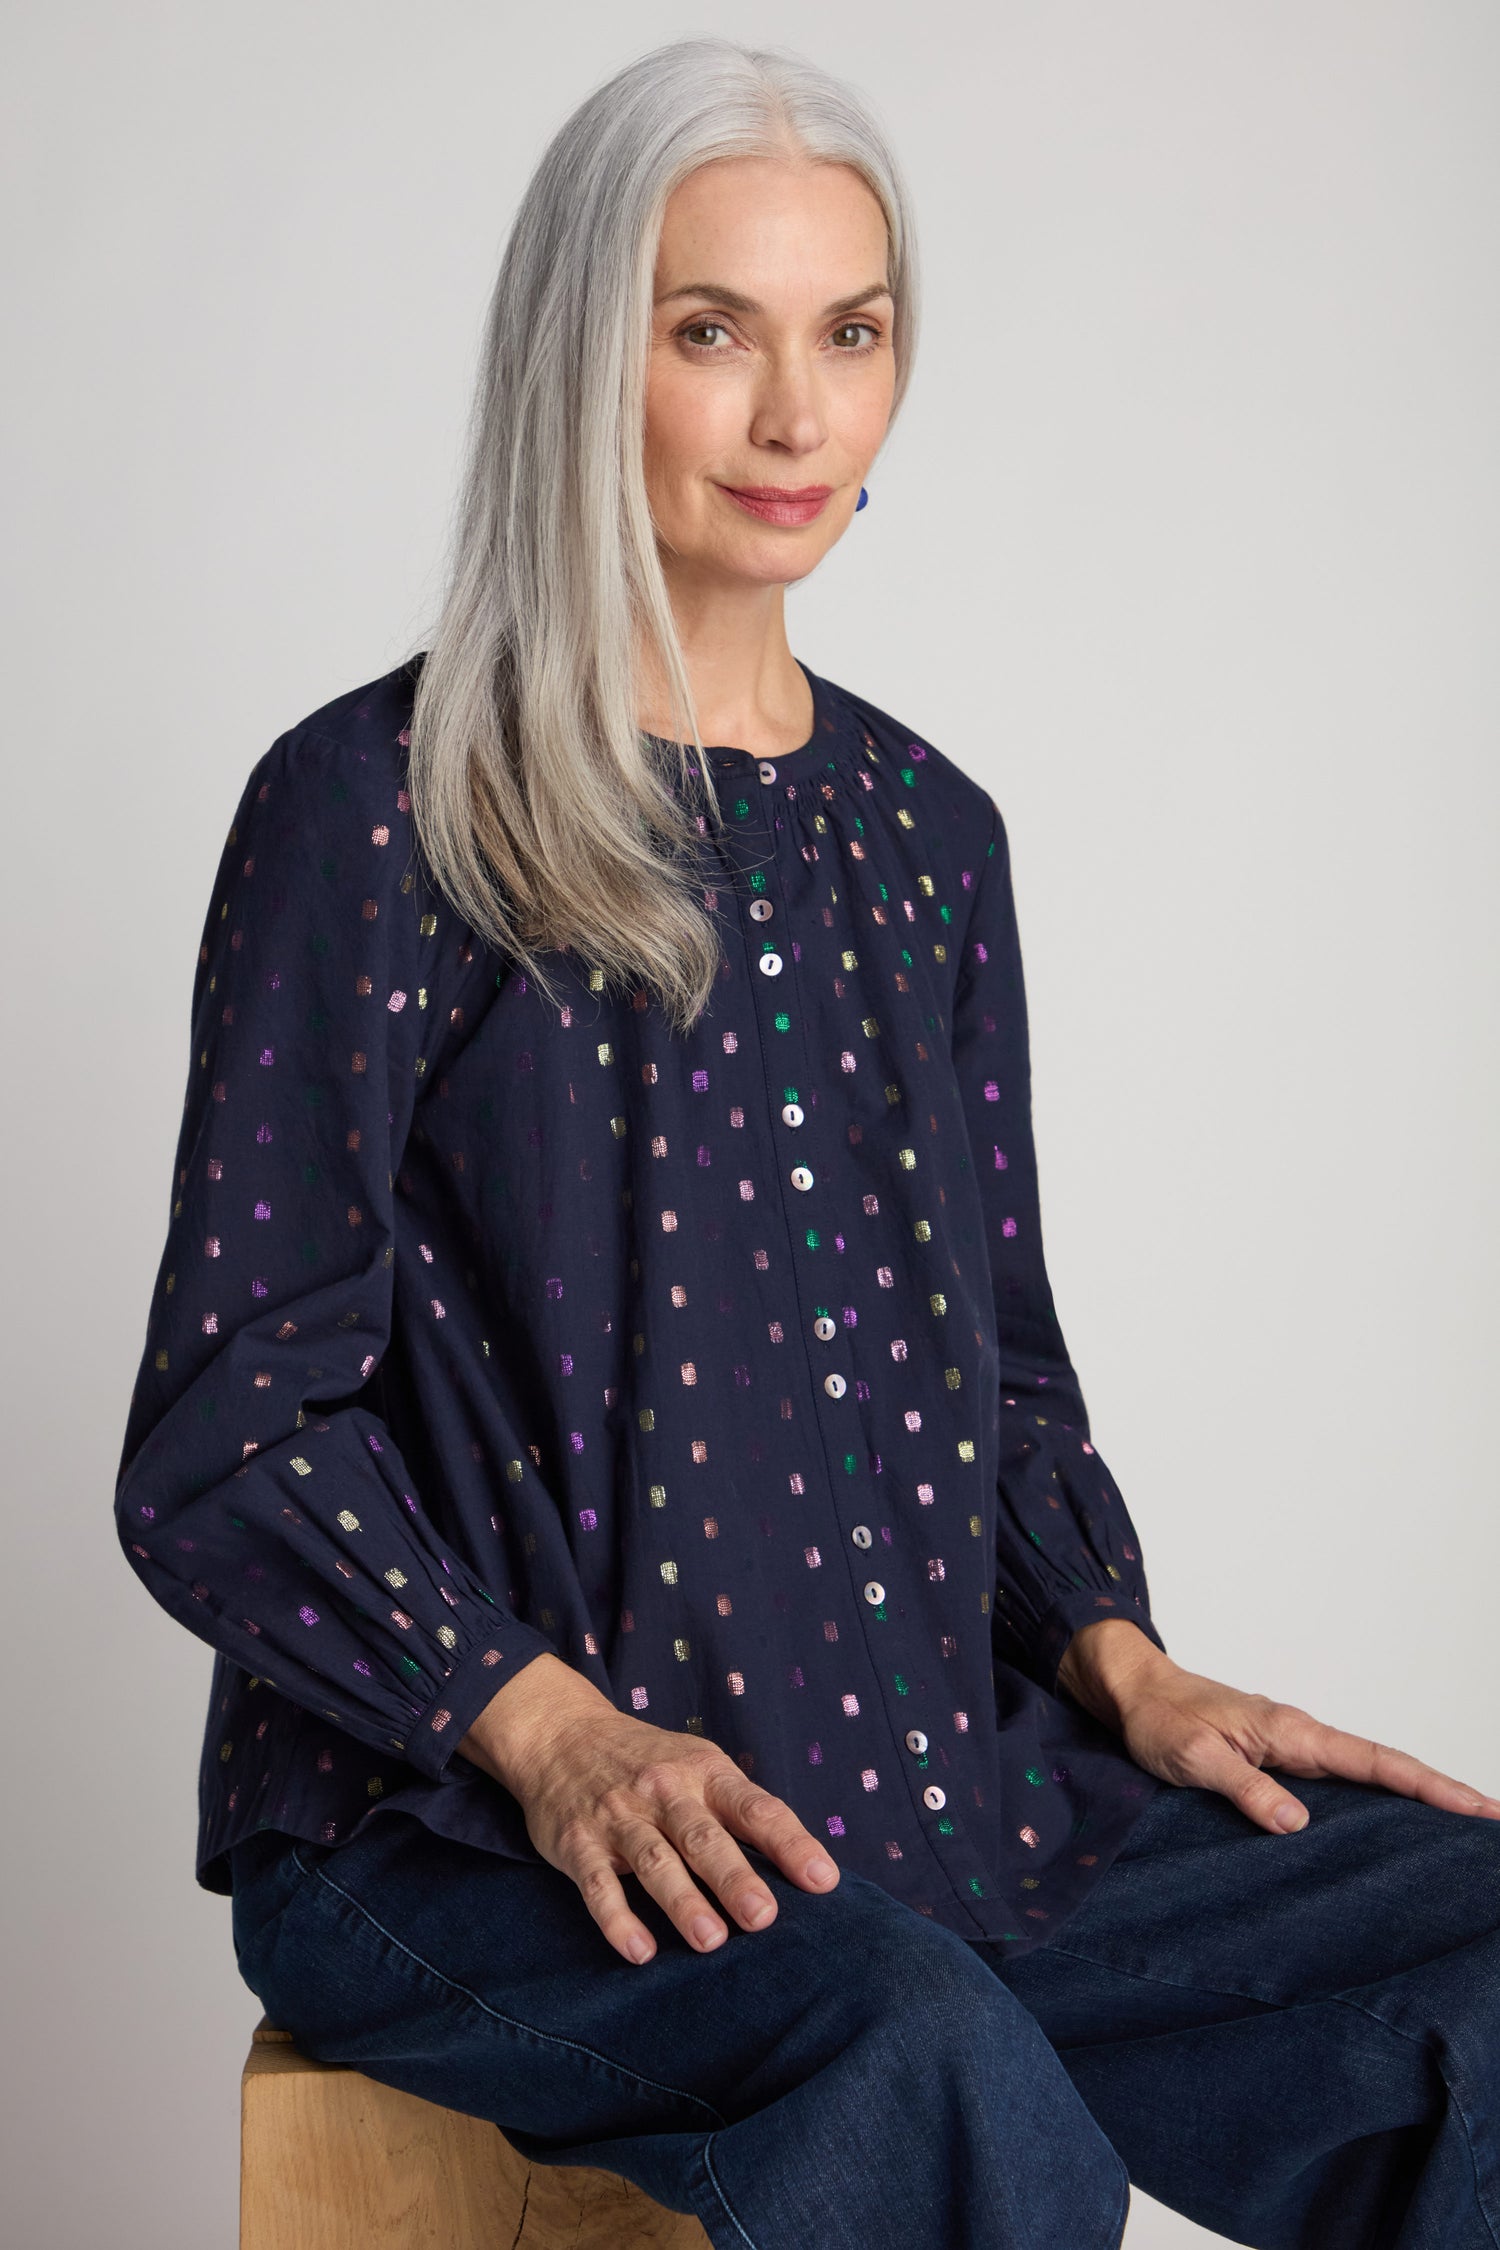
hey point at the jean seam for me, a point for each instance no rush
(1178, 1984)
(1358, 2007)
(715, 2184)
(1340, 1999)
(548, 2038)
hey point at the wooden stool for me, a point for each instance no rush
(333, 2160)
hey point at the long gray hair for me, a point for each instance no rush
(547, 817)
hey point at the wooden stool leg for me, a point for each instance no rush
(333, 2160)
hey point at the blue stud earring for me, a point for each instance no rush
(863, 500)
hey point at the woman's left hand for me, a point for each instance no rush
(1187, 1728)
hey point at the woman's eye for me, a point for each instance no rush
(701, 328)
(853, 328)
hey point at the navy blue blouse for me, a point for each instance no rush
(723, 1365)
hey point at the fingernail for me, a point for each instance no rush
(638, 1947)
(821, 1871)
(756, 1910)
(1290, 1816)
(706, 1932)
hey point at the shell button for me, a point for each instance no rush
(825, 1329)
(791, 1113)
(766, 770)
(770, 964)
(861, 1535)
(801, 1177)
(874, 1592)
(835, 1385)
(761, 910)
(916, 1741)
(934, 1798)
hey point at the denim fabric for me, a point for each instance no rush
(1294, 2040)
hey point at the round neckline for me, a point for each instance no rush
(727, 755)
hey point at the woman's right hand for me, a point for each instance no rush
(605, 1794)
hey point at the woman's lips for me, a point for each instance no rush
(778, 504)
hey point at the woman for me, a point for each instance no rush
(686, 1687)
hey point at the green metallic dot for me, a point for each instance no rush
(782, 1020)
(1035, 1777)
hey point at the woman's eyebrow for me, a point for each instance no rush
(733, 301)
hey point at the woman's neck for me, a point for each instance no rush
(751, 693)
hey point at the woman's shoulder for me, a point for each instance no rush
(365, 729)
(939, 785)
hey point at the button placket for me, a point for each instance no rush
(803, 1179)
(758, 815)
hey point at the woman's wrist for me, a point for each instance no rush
(1105, 1663)
(527, 1713)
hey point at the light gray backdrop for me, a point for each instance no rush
(1186, 547)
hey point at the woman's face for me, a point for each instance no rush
(771, 370)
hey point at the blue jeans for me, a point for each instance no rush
(1294, 2040)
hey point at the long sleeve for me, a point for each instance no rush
(258, 1498)
(1067, 1553)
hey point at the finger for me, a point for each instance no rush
(655, 1859)
(702, 1840)
(1357, 1758)
(768, 1822)
(1215, 1764)
(604, 1895)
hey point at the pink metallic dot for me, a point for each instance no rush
(1030, 1838)
(262, 1209)
(835, 1824)
(589, 1518)
(308, 1616)
(1009, 1228)
(639, 1698)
